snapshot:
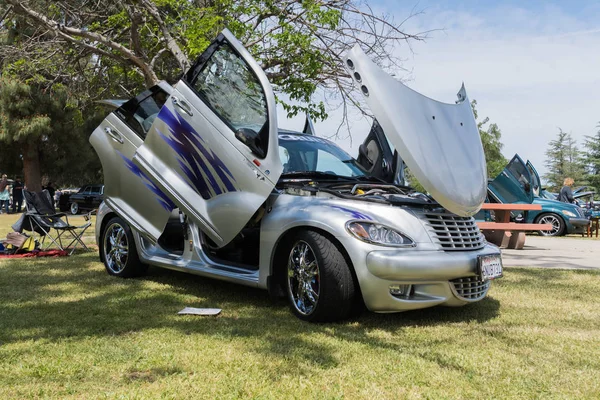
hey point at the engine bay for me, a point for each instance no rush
(371, 192)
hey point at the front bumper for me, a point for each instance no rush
(428, 272)
(577, 225)
(578, 222)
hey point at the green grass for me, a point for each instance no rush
(68, 330)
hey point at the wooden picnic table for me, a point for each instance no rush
(508, 234)
(594, 225)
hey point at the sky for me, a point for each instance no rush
(532, 66)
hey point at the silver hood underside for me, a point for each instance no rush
(439, 142)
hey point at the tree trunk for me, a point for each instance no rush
(31, 167)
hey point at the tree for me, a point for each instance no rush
(21, 123)
(111, 48)
(41, 118)
(563, 160)
(492, 146)
(592, 159)
(298, 44)
(43, 130)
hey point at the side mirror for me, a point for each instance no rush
(251, 139)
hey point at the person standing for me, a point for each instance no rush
(4, 194)
(566, 194)
(50, 190)
(17, 193)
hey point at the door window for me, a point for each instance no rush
(230, 88)
(534, 181)
(372, 151)
(139, 113)
(518, 170)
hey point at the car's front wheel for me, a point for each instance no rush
(320, 286)
(558, 225)
(74, 208)
(118, 251)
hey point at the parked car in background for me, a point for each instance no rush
(87, 198)
(585, 198)
(545, 194)
(519, 182)
(62, 196)
(199, 178)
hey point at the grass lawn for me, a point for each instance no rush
(68, 330)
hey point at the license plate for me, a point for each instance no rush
(489, 267)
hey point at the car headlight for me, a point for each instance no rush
(569, 214)
(378, 234)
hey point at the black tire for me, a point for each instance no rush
(554, 219)
(74, 208)
(118, 251)
(329, 278)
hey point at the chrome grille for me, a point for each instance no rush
(453, 232)
(470, 288)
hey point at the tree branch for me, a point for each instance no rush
(70, 34)
(136, 18)
(170, 42)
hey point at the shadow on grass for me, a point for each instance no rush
(74, 298)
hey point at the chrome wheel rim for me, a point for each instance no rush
(303, 278)
(74, 208)
(116, 248)
(551, 219)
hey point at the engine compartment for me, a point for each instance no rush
(371, 192)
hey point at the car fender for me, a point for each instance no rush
(552, 207)
(289, 212)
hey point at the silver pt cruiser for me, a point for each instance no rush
(198, 178)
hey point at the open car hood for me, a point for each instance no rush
(439, 142)
(579, 195)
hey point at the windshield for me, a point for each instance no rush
(303, 153)
(547, 195)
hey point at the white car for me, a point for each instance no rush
(199, 178)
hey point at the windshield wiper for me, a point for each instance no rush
(327, 175)
(315, 174)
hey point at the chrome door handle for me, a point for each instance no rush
(114, 135)
(185, 107)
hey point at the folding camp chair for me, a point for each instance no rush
(41, 217)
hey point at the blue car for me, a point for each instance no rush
(519, 182)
